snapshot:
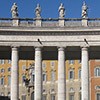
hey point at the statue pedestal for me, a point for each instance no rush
(38, 22)
(61, 22)
(15, 22)
(84, 22)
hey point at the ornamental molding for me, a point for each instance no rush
(59, 33)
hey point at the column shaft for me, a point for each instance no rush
(85, 74)
(61, 75)
(14, 75)
(38, 74)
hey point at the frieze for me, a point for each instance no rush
(48, 33)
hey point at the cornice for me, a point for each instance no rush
(49, 33)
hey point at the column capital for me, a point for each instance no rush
(84, 48)
(61, 48)
(15, 48)
(38, 48)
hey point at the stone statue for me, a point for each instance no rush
(61, 11)
(38, 11)
(84, 10)
(14, 11)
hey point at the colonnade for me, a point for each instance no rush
(61, 74)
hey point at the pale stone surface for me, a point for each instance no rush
(15, 22)
(38, 11)
(61, 22)
(84, 22)
(85, 74)
(61, 11)
(14, 75)
(14, 11)
(61, 74)
(38, 22)
(84, 10)
(38, 74)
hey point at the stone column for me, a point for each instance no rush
(61, 74)
(85, 74)
(38, 74)
(14, 75)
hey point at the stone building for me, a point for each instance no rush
(55, 48)
(50, 79)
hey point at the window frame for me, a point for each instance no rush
(71, 62)
(2, 82)
(9, 80)
(71, 70)
(79, 73)
(95, 71)
(97, 94)
(53, 75)
(44, 78)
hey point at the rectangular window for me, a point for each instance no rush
(43, 65)
(71, 97)
(2, 70)
(44, 97)
(79, 61)
(52, 76)
(9, 69)
(98, 96)
(79, 73)
(71, 74)
(9, 61)
(52, 97)
(2, 61)
(33, 78)
(71, 61)
(80, 97)
(23, 78)
(2, 80)
(97, 71)
(23, 97)
(44, 77)
(23, 67)
(9, 79)
(52, 63)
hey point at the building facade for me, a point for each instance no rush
(55, 47)
(50, 79)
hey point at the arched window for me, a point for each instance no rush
(97, 71)
(53, 94)
(71, 94)
(9, 95)
(44, 95)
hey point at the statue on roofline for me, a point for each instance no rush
(38, 11)
(84, 10)
(14, 11)
(61, 11)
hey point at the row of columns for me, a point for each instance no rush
(61, 74)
